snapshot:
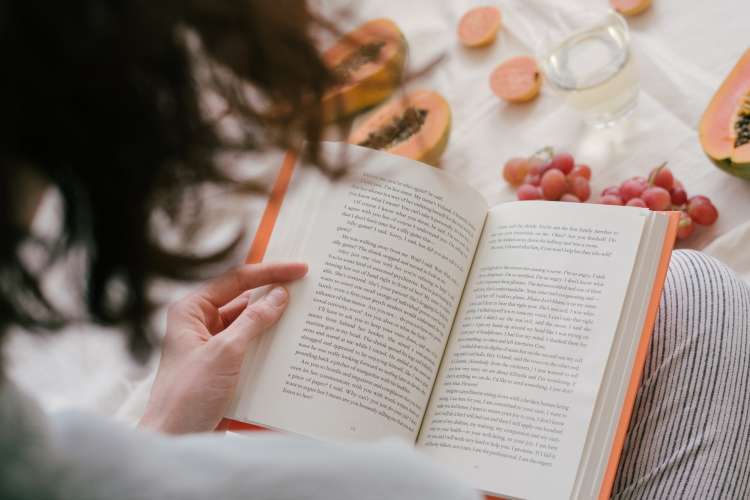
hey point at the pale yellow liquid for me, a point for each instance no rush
(596, 70)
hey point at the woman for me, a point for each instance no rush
(99, 100)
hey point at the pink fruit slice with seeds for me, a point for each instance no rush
(517, 79)
(479, 26)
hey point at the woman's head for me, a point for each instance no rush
(99, 98)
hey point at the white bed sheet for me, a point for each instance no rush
(684, 49)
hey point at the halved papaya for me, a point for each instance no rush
(725, 127)
(369, 64)
(416, 126)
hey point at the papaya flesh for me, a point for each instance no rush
(415, 126)
(725, 126)
(368, 63)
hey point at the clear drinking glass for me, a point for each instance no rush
(587, 55)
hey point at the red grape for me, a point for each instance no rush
(657, 198)
(529, 192)
(636, 202)
(536, 165)
(570, 197)
(632, 188)
(579, 186)
(533, 179)
(558, 177)
(610, 199)
(515, 170)
(581, 171)
(702, 211)
(563, 162)
(662, 177)
(546, 168)
(553, 184)
(686, 227)
(678, 193)
(699, 197)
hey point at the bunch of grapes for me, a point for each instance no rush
(661, 191)
(549, 176)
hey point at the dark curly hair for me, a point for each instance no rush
(102, 99)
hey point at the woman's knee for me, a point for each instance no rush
(703, 301)
(701, 269)
(690, 412)
(701, 283)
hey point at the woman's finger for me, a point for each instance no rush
(233, 283)
(255, 319)
(230, 311)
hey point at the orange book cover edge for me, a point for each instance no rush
(263, 236)
(640, 357)
(258, 251)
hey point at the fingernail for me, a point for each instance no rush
(277, 296)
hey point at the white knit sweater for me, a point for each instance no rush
(81, 457)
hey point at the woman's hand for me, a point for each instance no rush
(208, 333)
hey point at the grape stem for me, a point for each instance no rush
(546, 153)
(655, 172)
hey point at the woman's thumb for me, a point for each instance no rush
(257, 317)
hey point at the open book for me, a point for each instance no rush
(506, 343)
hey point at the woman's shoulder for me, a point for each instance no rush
(27, 460)
(83, 456)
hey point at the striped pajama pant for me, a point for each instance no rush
(690, 432)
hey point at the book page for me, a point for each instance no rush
(356, 354)
(520, 377)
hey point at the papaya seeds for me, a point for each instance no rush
(742, 125)
(401, 128)
(364, 54)
(415, 126)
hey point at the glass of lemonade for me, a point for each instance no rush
(587, 55)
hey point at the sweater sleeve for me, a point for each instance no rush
(100, 459)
